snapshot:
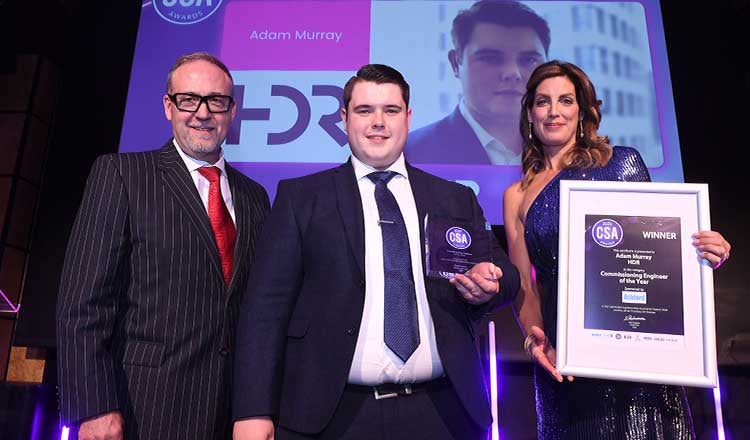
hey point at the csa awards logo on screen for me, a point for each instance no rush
(186, 11)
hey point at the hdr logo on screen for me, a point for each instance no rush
(185, 11)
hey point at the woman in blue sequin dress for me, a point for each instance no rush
(559, 123)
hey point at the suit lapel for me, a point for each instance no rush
(350, 208)
(241, 215)
(423, 199)
(177, 179)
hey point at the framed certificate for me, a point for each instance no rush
(635, 300)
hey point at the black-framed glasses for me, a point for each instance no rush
(190, 102)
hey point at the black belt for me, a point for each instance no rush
(387, 390)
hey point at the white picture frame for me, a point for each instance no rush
(641, 309)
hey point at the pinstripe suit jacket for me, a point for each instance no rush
(145, 323)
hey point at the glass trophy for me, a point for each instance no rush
(454, 246)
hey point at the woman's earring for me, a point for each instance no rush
(530, 129)
(580, 125)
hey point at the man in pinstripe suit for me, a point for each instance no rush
(148, 299)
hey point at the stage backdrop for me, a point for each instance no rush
(290, 60)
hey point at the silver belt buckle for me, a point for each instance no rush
(378, 396)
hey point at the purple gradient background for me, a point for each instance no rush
(159, 43)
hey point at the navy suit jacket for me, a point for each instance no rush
(448, 141)
(145, 322)
(301, 314)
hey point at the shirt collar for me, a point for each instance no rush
(484, 137)
(361, 169)
(193, 164)
(496, 149)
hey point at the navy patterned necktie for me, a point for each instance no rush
(401, 328)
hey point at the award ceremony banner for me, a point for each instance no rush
(291, 59)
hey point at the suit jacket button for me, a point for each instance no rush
(350, 331)
(224, 351)
(361, 283)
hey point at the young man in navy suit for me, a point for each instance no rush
(315, 355)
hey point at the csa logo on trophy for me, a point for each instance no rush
(458, 237)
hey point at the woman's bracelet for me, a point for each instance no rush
(527, 345)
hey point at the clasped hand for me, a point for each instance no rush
(479, 284)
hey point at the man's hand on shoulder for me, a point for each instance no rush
(108, 426)
(254, 428)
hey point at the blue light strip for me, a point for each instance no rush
(493, 380)
(717, 408)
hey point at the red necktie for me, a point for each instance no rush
(221, 222)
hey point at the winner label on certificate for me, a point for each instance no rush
(633, 275)
(453, 246)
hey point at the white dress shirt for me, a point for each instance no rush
(374, 363)
(498, 153)
(202, 184)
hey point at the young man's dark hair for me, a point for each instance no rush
(502, 13)
(379, 74)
